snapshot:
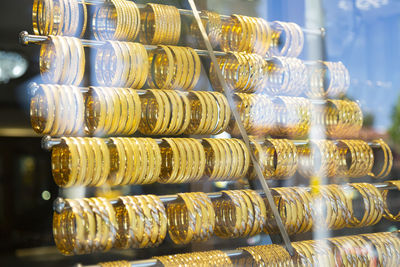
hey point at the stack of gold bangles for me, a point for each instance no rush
(255, 113)
(287, 39)
(376, 249)
(62, 60)
(226, 158)
(57, 109)
(388, 210)
(85, 226)
(277, 158)
(337, 75)
(61, 17)
(134, 161)
(141, 221)
(191, 218)
(249, 73)
(243, 72)
(112, 111)
(174, 67)
(320, 158)
(362, 158)
(329, 206)
(93, 224)
(212, 258)
(122, 64)
(239, 213)
(246, 34)
(165, 112)
(293, 116)
(161, 24)
(343, 119)
(213, 26)
(121, 161)
(122, 111)
(116, 20)
(285, 76)
(183, 160)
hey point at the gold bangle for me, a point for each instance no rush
(246, 211)
(198, 114)
(50, 60)
(148, 117)
(118, 161)
(230, 205)
(143, 162)
(212, 158)
(177, 108)
(160, 31)
(65, 163)
(226, 171)
(154, 150)
(161, 220)
(103, 228)
(142, 236)
(260, 211)
(95, 109)
(77, 222)
(388, 214)
(150, 230)
(176, 224)
(192, 157)
(167, 110)
(183, 168)
(60, 236)
(170, 161)
(237, 158)
(386, 167)
(43, 109)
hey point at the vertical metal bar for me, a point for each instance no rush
(236, 115)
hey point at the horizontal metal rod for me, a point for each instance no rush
(48, 142)
(25, 38)
(59, 203)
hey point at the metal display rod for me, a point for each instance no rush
(48, 142)
(25, 39)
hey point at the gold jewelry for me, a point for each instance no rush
(116, 20)
(213, 258)
(184, 219)
(161, 24)
(388, 214)
(386, 167)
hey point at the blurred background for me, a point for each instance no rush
(363, 34)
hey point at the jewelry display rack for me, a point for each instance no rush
(49, 142)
